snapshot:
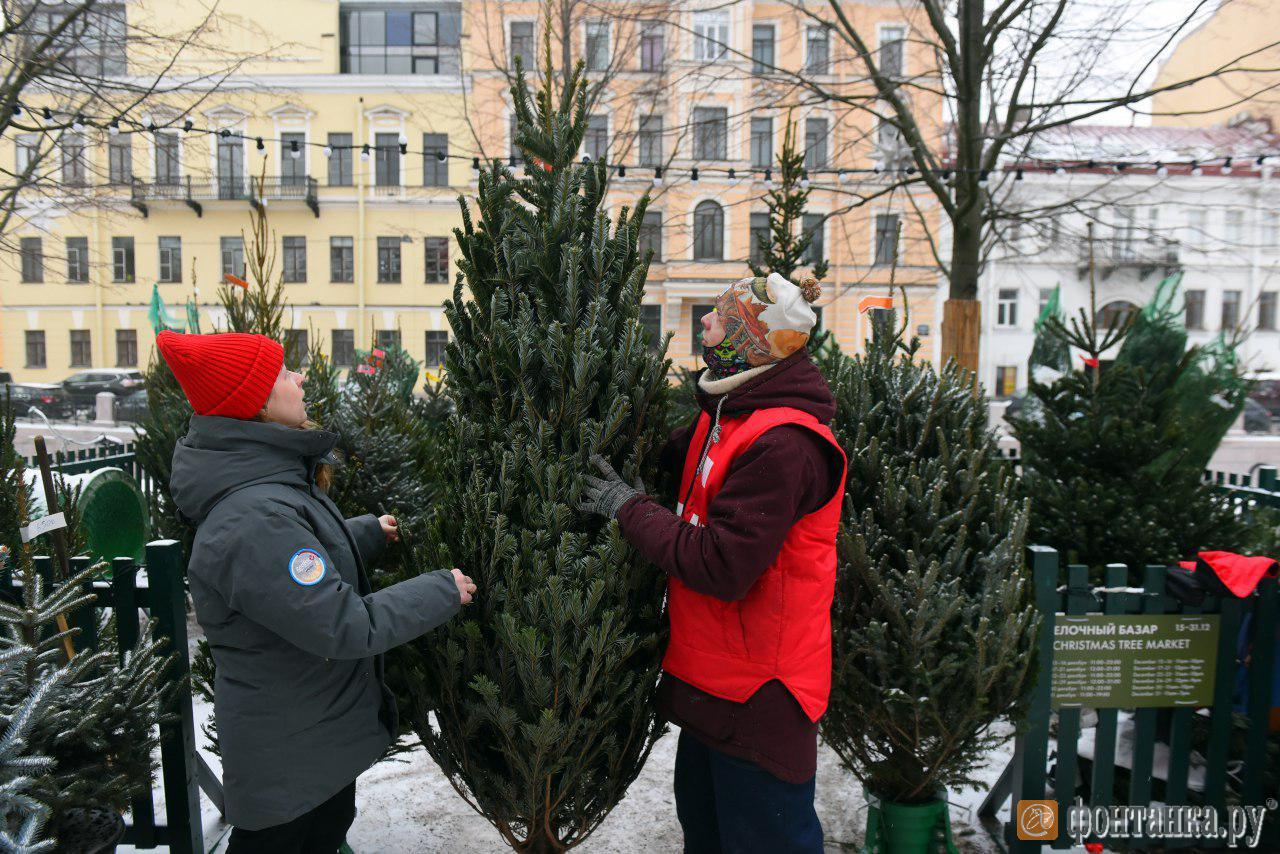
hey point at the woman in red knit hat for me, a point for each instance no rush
(279, 584)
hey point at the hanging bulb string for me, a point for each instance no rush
(1235, 164)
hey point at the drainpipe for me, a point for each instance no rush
(358, 251)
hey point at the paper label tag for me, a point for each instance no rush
(43, 526)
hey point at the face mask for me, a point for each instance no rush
(724, 359)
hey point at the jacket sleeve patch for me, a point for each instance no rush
(306, 567)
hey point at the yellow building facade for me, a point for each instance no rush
(363, 237)
(364, 241)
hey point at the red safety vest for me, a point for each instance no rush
(782, 629)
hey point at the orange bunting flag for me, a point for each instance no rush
(546, 167)
(232, 279)
(364, 369)
(1090, 363)
(869, 303)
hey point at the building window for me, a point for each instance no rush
(126, 348)
(435, 160)
(522, 44)
(710, 35)
(886, 247)
(232, 251)
(387, 159)
(167, 167)
(1230, 310)
(1115, 314)
(761, 143)
(597, 45)
(297, 351)
(759, 237)
(1006, 380)
(888, 137)
(92, 45)
(1270, 226)
(231, 183)
(341, 259)
(1122, 233)
(344, 347)
(32, 249)
(651, 323)
(122, 259)
(387, 339)
(81, 351)
(815, 143)
(395, 41)
(1197, 229)
(595, 143)
(710, 133)
(817, 53)
(295, 259)
(761, 49)
(651, 235)
(77, 259)
(650, 140)
(437, 340)
(340, 160)
(1007, 308)
(27, 148)
(1267, 311)
(1042, 300)
(73, 163)
(891, 51)
(1194, 301)
(652, 46)
(170, 259)
(389, 259)
(35, 348)
(293, 165)
(811, 225)
(437, 253)
(120, 159)
(708, 232)
(1234, 227)
(699, 311)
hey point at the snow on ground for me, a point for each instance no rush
(406, 806)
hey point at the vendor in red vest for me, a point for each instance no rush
(751, 555)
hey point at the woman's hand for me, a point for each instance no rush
(389, 527)
(466, 587)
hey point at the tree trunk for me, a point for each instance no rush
(961, 327)
(960, 332)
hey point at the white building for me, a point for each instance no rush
(1205, 201)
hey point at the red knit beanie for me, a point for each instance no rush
(230, 373)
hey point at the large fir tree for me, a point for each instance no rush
(541, 692)
(933, 621)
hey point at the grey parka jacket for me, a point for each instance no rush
(297, 633)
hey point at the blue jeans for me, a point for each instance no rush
(728, 805)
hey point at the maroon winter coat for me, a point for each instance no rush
(788, 472)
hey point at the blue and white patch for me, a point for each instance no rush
(306, 567)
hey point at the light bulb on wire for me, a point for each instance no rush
(657, 176)
(364, 152)
(328, 151)
(294, 151)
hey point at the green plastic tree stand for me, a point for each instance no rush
(894, 828)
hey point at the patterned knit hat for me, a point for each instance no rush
(768, 319)
(229, 374)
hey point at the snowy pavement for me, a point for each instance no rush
(406, 806)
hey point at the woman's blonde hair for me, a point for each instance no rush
(324, 471)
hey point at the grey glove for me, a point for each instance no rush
(606, 495)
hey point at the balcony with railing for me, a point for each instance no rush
(1147, 256)
(196, 192)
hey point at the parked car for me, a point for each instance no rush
(49, 398)
(132, 407)
(1266, 391)
(83, 387)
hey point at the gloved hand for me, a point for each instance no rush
(606, 495)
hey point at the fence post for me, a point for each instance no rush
(1144, 719)
(177, 738)
(1079, 601)
(124, 599)
(1261, 661)
(1104, 739)
(1029, 774)
(86, 618)
(1269, 479)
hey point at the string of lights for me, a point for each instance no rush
(1257, 164)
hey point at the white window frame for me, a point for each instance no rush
(522, 20)
(587, 27)
(716, 25)
(1006, 308)
(882, 30)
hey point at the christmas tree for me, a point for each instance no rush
(933, 622)
(786, 247)
(540, 694)
(22, 817)
(1113, 455)
(96, 720)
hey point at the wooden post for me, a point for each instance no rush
(178, 737)
(59, 536)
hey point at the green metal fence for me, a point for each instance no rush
(1248, 492)
(160, 596)
(1094, 774)
(91, 459)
